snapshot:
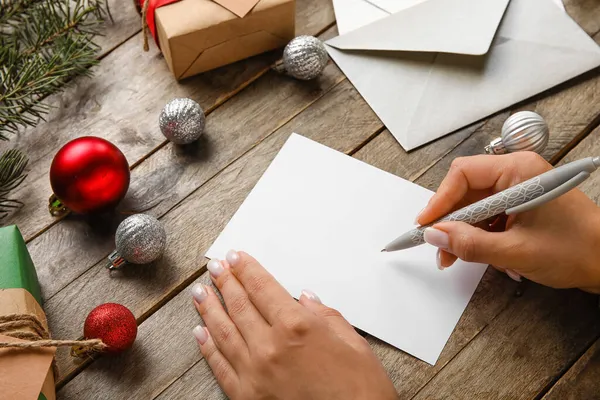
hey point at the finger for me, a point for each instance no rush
(476, 245)
(269, 297)
(480, 173)
(225, 334)
(336, 322)
(222, 369)
(244, 314)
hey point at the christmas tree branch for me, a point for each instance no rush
(43, 45)
(12, 167)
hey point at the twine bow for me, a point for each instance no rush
(29, 328)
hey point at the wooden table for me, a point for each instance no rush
(514, 340)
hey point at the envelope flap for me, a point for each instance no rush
(447, 26)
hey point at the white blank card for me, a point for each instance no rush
(318, 219)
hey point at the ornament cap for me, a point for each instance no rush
(116, 261)
(56, 207)
(496, 146)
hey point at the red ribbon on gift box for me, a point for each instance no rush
(152, 6)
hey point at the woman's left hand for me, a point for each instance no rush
(268, 346)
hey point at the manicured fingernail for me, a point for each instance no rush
(311, 295)
(215, 268)
(418, 216)
(200, 334)
(438, 260)
(513, 275)
(437, 238)
(232, 257)
(199, 293)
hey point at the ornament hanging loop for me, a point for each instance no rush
(56, 207)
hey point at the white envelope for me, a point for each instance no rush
(430, 67)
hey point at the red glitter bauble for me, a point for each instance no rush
(89, 175)
(112, 323)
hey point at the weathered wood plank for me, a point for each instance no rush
(121, 103)
(582, 380)
(228, 190)
(588, 147)
(69, 248)
(125, 23)
(586, 13)
(196, 221)
(523, 349)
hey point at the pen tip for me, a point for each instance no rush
(384, 250)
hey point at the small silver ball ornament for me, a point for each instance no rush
(305, 57)
(140, 239)
(522, 131)
(182, 121)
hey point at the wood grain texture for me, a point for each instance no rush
(125, 23)
(121, 103)
(195, 222)
(586, 13)
(588, 147)
(523, 349)
(582, 380)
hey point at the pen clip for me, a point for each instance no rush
(551, 195)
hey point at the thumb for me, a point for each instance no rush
(336, 322)
(473, 244)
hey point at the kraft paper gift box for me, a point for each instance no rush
(24, 374)
(199, 35)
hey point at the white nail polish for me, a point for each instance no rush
(215, 268)
(200, 334)
(311, 295)
(199, 293)
(437, 238)
(232, 257)
(438, 260)
(513, 275)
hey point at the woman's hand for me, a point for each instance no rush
(557, 244)
(268, 346)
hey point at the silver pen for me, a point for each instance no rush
(516, 199)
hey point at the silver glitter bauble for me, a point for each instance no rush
(140, 239)
(305, 57)
(523, 131)
(182, 121)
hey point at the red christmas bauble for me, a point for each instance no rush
(112, 323)
(89, 175)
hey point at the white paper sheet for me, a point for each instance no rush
(318, 220)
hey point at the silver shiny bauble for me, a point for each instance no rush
(523, 131)
(305, 57)
(182, 121)
(140, 239)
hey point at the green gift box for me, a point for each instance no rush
(24, 373)
(16, 267)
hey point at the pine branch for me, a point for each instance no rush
(43, 45)
(12, 167)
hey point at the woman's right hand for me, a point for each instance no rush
(556, 244)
